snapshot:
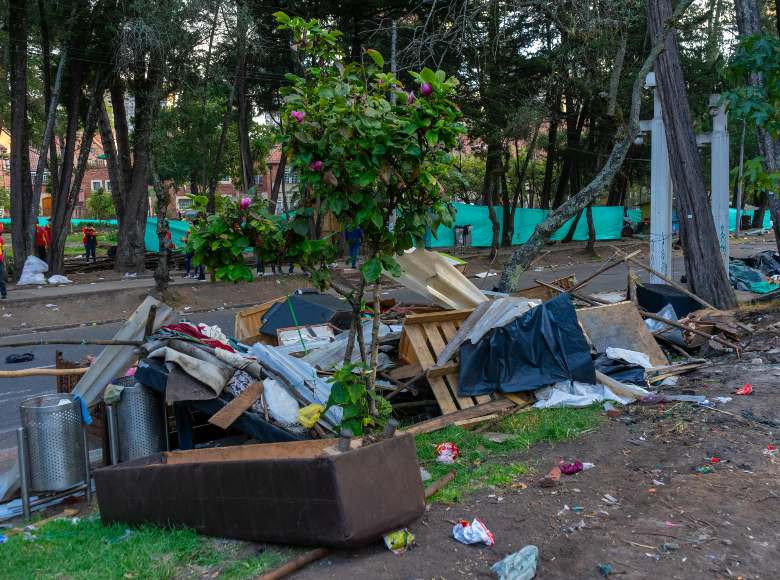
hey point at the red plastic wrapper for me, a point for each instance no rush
(746, 389)
(447, 452)
(571, 468)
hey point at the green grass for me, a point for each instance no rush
(89, 549)
(484, 463)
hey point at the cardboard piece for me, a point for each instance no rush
(287, 493)
(431, 275)
(620, 326)
(246, 328)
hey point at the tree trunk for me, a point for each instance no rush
(549, 164)
(494, 169)
(244, 110)
(63, 204)
(21, 187)
(278, 180)
(48, 132)
(758, 215)
(590, 248)
(749, 23)
(524, 255)
(162, 194)
(704, 267)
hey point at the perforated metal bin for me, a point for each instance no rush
(140, 422)
(55, 442)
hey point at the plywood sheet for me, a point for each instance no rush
(620, 326)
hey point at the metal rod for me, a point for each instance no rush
(113, 434)
(87, 470)
(21, 444)
(165, 426)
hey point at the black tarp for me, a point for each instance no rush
(620, 370)
(767, 262)
(543, 346)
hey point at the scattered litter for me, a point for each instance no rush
(704, 469)
(28, 537)
(126, 535)
(605, 569)
(13, 359)
(475, 532)
(59, 279)
(498, 437)
(571, 468)
(658, 482)
(578, 509)
(746, 389)
(564, 510)
(520, 565)
(667, 547)
(575, 527)
(399, 541)
(485, 274)
(7, 315)
(3, 539)
(310, 414)
(552, 478)
(33, 271)
(447, 452)
(722, 400)
(756, 361)
(610, 500)
(424, 475)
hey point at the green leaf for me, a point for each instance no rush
(440, 76)
(377, 58)
(432, 137)
(428, 75)
(281, 17)
(338, 394)
(372, 270)
(376, 219)
(357, 391)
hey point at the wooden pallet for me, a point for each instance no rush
(423, 339)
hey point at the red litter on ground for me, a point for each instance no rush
(447, 452)
(746, 389)
(714, 460)
(770, 447)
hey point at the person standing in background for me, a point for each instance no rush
(41, 242)
(3, 294)
(90, 242)
(354, 239)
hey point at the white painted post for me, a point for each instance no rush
(719, 176)
(660, 192)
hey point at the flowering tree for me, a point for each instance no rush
(368, 150)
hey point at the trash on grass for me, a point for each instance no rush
(447, 452)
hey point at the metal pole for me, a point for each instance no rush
(87, 470)
(24, 474)
(113, 434)
(719, 175)
(660, 192)
(165, 426)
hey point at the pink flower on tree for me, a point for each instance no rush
(245, 202)
(316, 165)
(426, 89)
(298, 116)
(409, 97)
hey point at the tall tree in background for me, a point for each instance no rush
(704, 266)
(21, 185)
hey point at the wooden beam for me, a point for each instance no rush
(42, 372)
(481, 410)
(228, 414)
(442, 316)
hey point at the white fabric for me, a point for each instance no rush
(58, 279)
(282, 406)
(575, 394)
(630, 356)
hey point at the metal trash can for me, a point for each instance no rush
(140, 422)
(55, 442)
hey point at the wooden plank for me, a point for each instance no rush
(417, 341)
(438, 345)
(228, 414)
(405, 372)
(520, 399)
(449, 329)
(441, 316)
(485, 409)
(448, 369)
(620, 325)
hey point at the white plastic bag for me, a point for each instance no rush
(58, 279)
(282, 406)
(472, 533)
(32, 272)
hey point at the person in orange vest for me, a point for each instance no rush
(3, 293)
(41, 242)
(89, 239)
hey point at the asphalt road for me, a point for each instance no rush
(13, 391)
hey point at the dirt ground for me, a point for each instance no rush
(669, 521)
